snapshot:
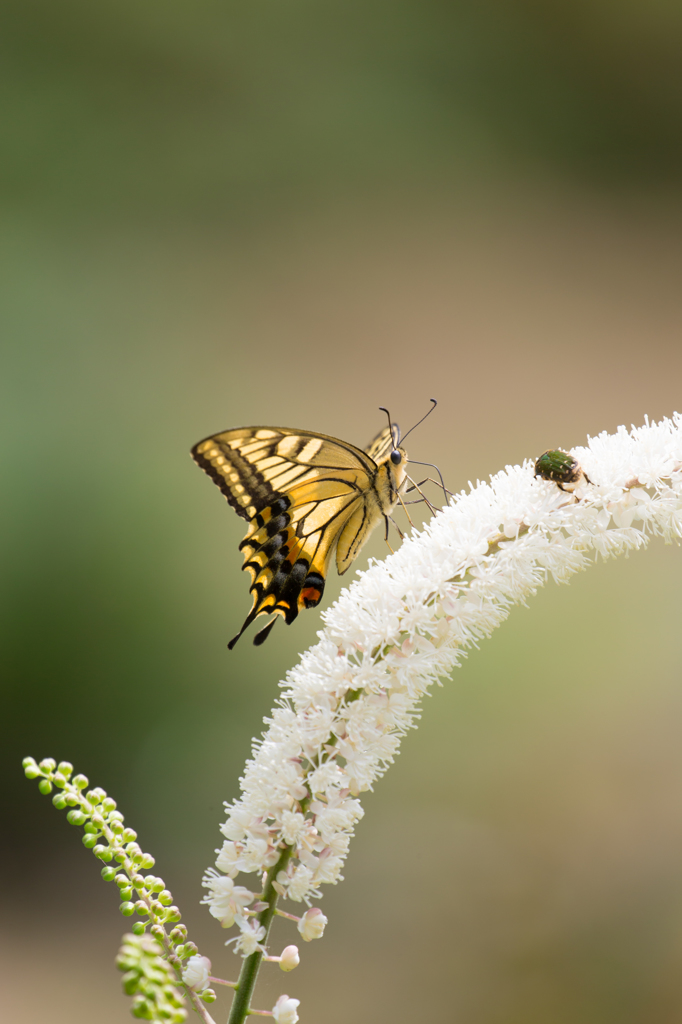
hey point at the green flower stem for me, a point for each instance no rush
(249, 972)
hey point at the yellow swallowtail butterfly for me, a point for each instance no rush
(305, 497)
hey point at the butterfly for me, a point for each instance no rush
(306, 497)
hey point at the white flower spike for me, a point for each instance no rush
(404, 625)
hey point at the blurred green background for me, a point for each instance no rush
(218, 214)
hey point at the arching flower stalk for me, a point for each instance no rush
(402, 626)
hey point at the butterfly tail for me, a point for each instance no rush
(247, 622)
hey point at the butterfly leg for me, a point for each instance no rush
(424, 498)
(440, 482)
(386, 536)
(400, 532)
(400, 499)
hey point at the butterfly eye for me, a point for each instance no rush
(396, 457)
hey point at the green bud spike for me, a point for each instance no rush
(127, 909)
(59, 801)
(65, 768)
(76, 817)
(45, 786)
(108, 874)
(48, 764)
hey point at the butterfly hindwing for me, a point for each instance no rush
(304, 495)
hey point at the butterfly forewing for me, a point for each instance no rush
(304, 495)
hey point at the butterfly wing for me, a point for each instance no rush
(302, 494)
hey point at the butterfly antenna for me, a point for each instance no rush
(390, 426)
(435, 403)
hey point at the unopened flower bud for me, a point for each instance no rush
(65, 768)
(284, 1010)
(48, 764)
(289, 958)
(81, 781)
(196, 973)
(45, 786)
(312, 924)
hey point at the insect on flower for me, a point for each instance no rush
(306, 497)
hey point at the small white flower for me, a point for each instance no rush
(294, 826)
(284, 1010)
(251, 938)
(226, 900)
(299, 883)
(196, 973)
(289, 958)
(312, 924)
